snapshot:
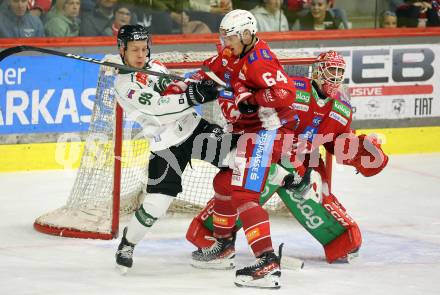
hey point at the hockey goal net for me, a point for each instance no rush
(113, 171)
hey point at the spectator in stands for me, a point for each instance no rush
(154, 16)
(294, 9)
(39, 7)
(388, 20)
(187, 26)
(418, 13)
(270, 17)
(122, 17)
(99, 21)
(17, 22)
(182, 20)
(320, 17)
(246, 4)
(64, 21)
(209, 12)
(215, 7)
(87, 6)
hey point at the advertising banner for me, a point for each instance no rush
(392, 81)
(40, 94)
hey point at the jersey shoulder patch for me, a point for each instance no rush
(266, 54)
(252, 57)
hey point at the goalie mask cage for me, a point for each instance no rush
(112, 174)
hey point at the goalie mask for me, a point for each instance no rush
(130, 33)
(236, 22)
(329, 72)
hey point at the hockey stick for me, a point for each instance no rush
(17, 49)
(213, 76)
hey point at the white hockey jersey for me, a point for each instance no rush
(166, 120)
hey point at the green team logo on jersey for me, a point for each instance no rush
(341, 109)
(302, 96)
(162, 84)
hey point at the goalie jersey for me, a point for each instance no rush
(166, 119)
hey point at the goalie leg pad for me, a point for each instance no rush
(201, 227)
(199, 235)
(344, 245)
(328, 222)
(350, 241)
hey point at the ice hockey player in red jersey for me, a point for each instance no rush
(258, 108)
(324, 118)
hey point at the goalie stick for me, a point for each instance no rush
(17, 49)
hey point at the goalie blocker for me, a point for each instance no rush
(317, 210)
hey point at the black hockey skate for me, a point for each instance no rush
(265, 273)
(124, 255)
(219, 256)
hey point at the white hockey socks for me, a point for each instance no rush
(153, 207)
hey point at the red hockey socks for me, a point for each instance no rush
(224, 215)
(256, 227)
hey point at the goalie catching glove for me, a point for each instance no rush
(370, 158)
(201, 92)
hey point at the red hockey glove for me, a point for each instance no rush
(179, 87)
(175, 87)
(370, 158)
(244, 99)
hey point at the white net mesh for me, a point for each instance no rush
(89, 206)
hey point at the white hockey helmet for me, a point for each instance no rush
(237, 21)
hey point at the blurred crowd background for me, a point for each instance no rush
(66, 18)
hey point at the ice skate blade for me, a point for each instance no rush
(267, 282)
(217, 264)
(123, 270)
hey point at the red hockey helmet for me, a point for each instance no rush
(329, 72)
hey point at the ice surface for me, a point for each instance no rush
(398, 212)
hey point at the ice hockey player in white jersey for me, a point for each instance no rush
(168, 118)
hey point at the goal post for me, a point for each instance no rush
(111, 179)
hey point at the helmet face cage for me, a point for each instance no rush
(330, 71)
(130, 33)
(236, 22)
